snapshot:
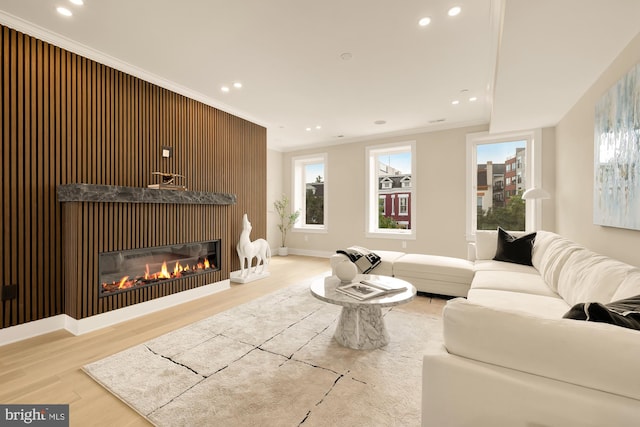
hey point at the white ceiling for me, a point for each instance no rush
(526, 61)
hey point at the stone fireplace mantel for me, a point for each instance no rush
(119, 194)
(99, 219)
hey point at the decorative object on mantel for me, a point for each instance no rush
(287, 219)
(119, 194)
(616, 198)
(247, 250)
(168, 181)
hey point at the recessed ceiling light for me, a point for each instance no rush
(64, 11)
(454, 11)
(380, 122)
(77, 2)
(424, 21)
(346, 56)
(224, 89)
(308, 129)
(473, 99)
(456, 102)
(318, 127)
(237, 85)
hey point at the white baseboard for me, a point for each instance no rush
(307, 252)
(99, 321)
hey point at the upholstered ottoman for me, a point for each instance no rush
(435, 274)
(428, 273)
(385, 268)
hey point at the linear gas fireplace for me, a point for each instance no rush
(121, 271)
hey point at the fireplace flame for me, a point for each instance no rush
(177, 271)
(147, 277)
(123, 283)
(164, 273)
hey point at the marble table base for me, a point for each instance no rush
(361, 328)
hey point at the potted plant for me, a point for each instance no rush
(287, 219)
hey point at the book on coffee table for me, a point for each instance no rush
(368, 288)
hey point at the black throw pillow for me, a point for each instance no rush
(516, 250)
(624, 312)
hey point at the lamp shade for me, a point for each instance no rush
(535, 193)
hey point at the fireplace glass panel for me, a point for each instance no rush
(121, 271)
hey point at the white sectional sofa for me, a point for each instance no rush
(511, 359)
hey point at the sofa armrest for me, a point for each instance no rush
(459, 392)
(471, 251)
(595, 355)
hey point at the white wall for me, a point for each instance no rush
(441, 159)
(574, 170)
(274, 192)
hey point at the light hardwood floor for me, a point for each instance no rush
(48, 369)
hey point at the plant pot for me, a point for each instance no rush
(283, 251)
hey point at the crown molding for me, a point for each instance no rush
(73, 46)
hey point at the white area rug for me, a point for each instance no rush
(273, 362)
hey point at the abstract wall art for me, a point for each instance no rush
(616, 196)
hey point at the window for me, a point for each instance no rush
(391, 177)
(488, 158)
(310, 192)
(383, 205)
(403, 204)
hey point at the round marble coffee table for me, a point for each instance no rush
(361, 325)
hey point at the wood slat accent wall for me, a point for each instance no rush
(67, 119)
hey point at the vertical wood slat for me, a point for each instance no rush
(67, 119)
(5, 188)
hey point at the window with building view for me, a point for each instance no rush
(500, 179)
(310, 192)
(392, 190)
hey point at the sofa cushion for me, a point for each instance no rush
(435, 267)
(553, 259)
(541, 306)
(487, 243)
(629, 287)
(594, 355)
(512, 281)
(625, 313)
(514, 249)
(590, 277)
(540, 244)
(491, 265)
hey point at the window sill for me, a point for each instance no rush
(391, 235)
(318, 230)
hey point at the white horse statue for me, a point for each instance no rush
(247, 250)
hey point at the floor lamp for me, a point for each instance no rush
(536, 194)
